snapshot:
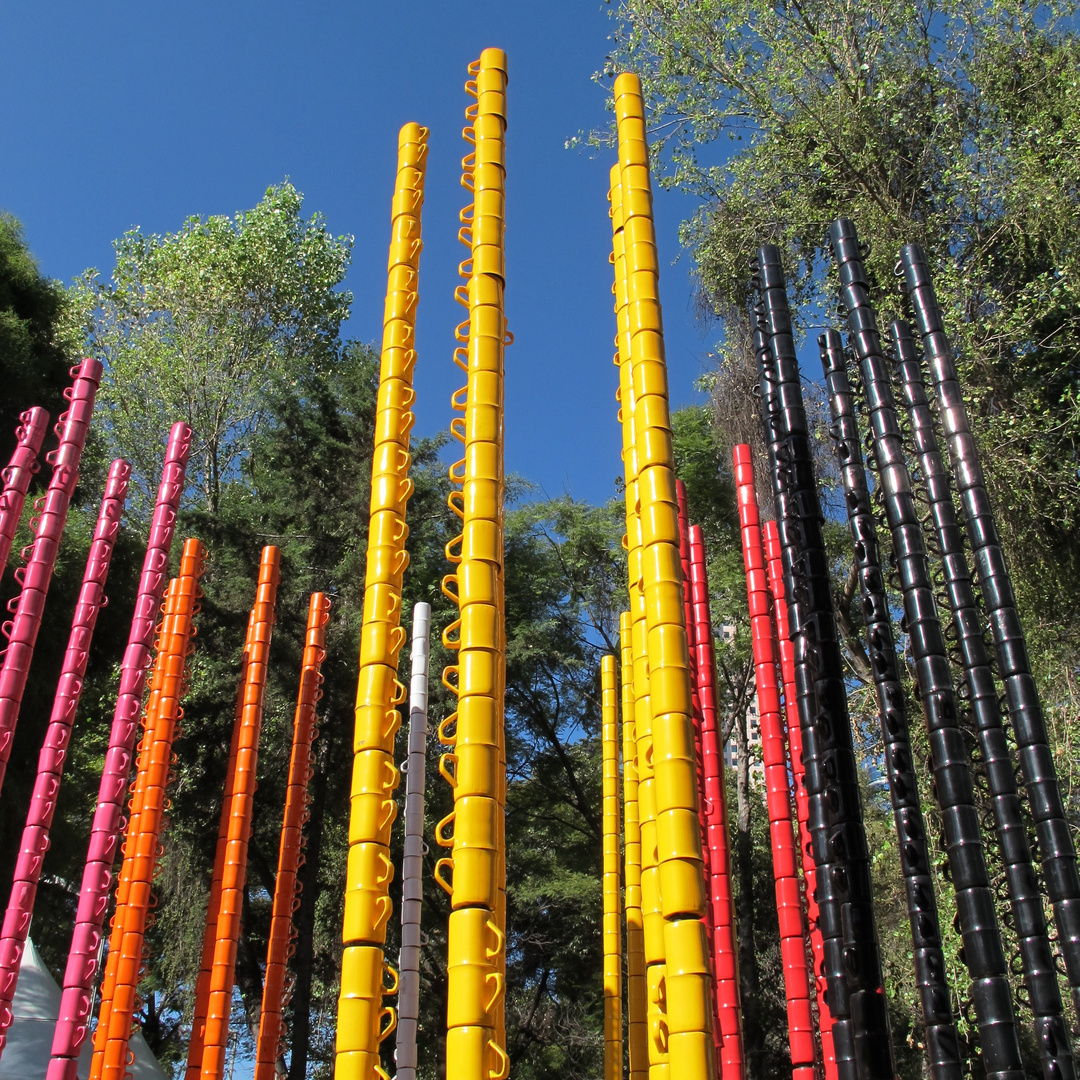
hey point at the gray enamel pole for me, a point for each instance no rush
(412, 886)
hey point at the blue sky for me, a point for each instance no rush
(140, 114)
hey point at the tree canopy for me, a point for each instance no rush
(197, 325)
(955, 125)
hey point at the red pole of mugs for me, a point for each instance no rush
(721, 900)
(802, 809)
(777, 786)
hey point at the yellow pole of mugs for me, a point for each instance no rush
(637, 1034)
(612, 920)
(656, 1043)
(688, 985)
(363, 1021)
(475, 765)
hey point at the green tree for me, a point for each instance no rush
(34, 353)
(956, 126)
(198, 325)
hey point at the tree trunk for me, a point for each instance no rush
(744, 854)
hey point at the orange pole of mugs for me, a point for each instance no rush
(271, 1045)
(223, 971)
(366, 978)
(206, 960)
(148, 807)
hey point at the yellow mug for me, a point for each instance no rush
(475, 938)
(367, 911)
(369, 865)
(473, 1051)
(371, 816)
(373, 771)
(474, 991)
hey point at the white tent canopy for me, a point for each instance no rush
(34, 1012)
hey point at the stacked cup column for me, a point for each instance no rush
(475, 767)
(728, 1016)
(688, 981)
(118, 1003)
(637, 1034)
(612, 915)
(777, 788)
(72, 1027)
(363, 1021)
(35, 838)
(652, 915)
(270, 1045)
(29, 436)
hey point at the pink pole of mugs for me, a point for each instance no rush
(777, 784)
(40, 555)
(73, 1024)
(29, 436)
(35, 838)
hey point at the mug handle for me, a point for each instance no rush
(492, 953)
(388, 864)
(391, 1014)
(393, 987)
(502, 1070)
(440, 839)
(444, 733)
(437, 874)
(390, 808)
(386, 908)
(449, 775)
(495, 977)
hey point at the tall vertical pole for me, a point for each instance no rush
(475, 828)
(637, 1033)
(942, 1045)
(201, 1005)
(975, 907)
(241, 810)
(73, 1024)
(688, 982)
(612, 913)
(695, 703)
(852, 961)
(777, 788)
(29, 436)
(1040, 975)
(412, 864)
(269, 1046)
(149, 804)
(728, 1016)
(36, 575)
(363, 1022)
(652, 916)
(35, 837)
(815, 947)
(1056, 848)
